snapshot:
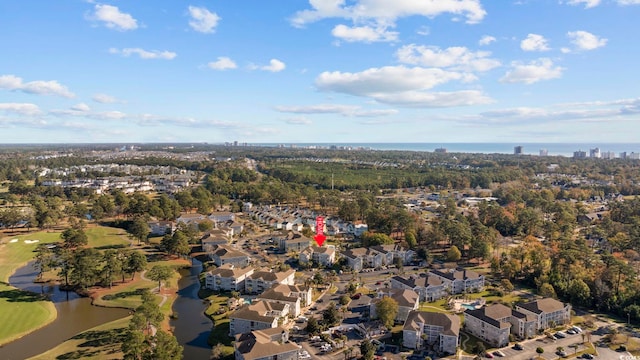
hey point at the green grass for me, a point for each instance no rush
(102, 237)
(101, 342)
(220, 330)
(21, 312)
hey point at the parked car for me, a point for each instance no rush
(499, 353)
(517, 346)
(488, 355)
(561, 353)
(576, 329)
(586, 356)
(561, 335)
(571, 332)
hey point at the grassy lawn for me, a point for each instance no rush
(21, 312)
(100, 342)
(436, 306)
(220, 331)
(102, 237)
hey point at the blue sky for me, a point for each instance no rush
(283, 71)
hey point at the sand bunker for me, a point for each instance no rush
(13, 241)
(31, 241)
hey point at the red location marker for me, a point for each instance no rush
(320, 237)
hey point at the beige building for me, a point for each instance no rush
(257, 316)
(491, 324)
(259, 281)
(268, 344)
(548, 312)
(459, 281)
(223, 254)
(429, 328)
(227, 277)
(323, 255)
(430, 287)
(408, 300)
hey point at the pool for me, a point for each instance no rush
(468, 306)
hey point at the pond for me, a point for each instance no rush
(75, 314)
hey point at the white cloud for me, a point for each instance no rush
(386, 12)
(386, 79)
(203, 20)
(435, 99)
(105, 99)
(629, 2)
(20, 108)
(365, 34)
(113, 18)
(457, 58)
(144, 54)
(534, 71)
(223, 63)
(275, 65)
(400, 85)
(299, 121)
(486, 40)
(588, 4)
(423, 30)
(584, 40)
(12, 82)
(534, 42)
(81, 107)
(344, 110)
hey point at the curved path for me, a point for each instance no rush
(155, 289)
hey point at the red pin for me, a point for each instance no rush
(320, 237)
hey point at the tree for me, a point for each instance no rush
(86, 265)
(330, 316)
(454, 255)
(387, 310)
(74, 238)
(547, 290)
(579, 292)
(140, 229)
(540, 350)
(312, 326)
(345, 299)
(373, 239)
(134, 346)
(506, 285)
(160, 273)
(112, 266)
(135, 262)
(166, 347)
(367, 349)
(44, 260)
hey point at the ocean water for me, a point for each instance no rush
(553, 149)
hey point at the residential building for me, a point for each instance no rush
(227, 277)
(394, 251)
(430, 288)
(160, 228)
(517, 150)
(459, 281)
(259, 281)
(222, 216)
(523, 325)
(429, 328)
(294, 242)
(491, 324)
(323, 255)
(267, 344)
(282, 296)
(257, 316)
(408, 300)
(191, 219)
(224, 254)
(548, 312)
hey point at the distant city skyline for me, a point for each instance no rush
(83, 71)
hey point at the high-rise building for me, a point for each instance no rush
(441, 150)
(623, 155)
(544, 152)
(579, 154)
(609, 155)
(517, 150)
(594, 153)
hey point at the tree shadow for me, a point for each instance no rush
(96, 338)
(115, 246)
(123, 294)
(17, 295)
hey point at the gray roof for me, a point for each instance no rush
(262, 344)
(491, 315)
(450, 323)
(546, 305)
